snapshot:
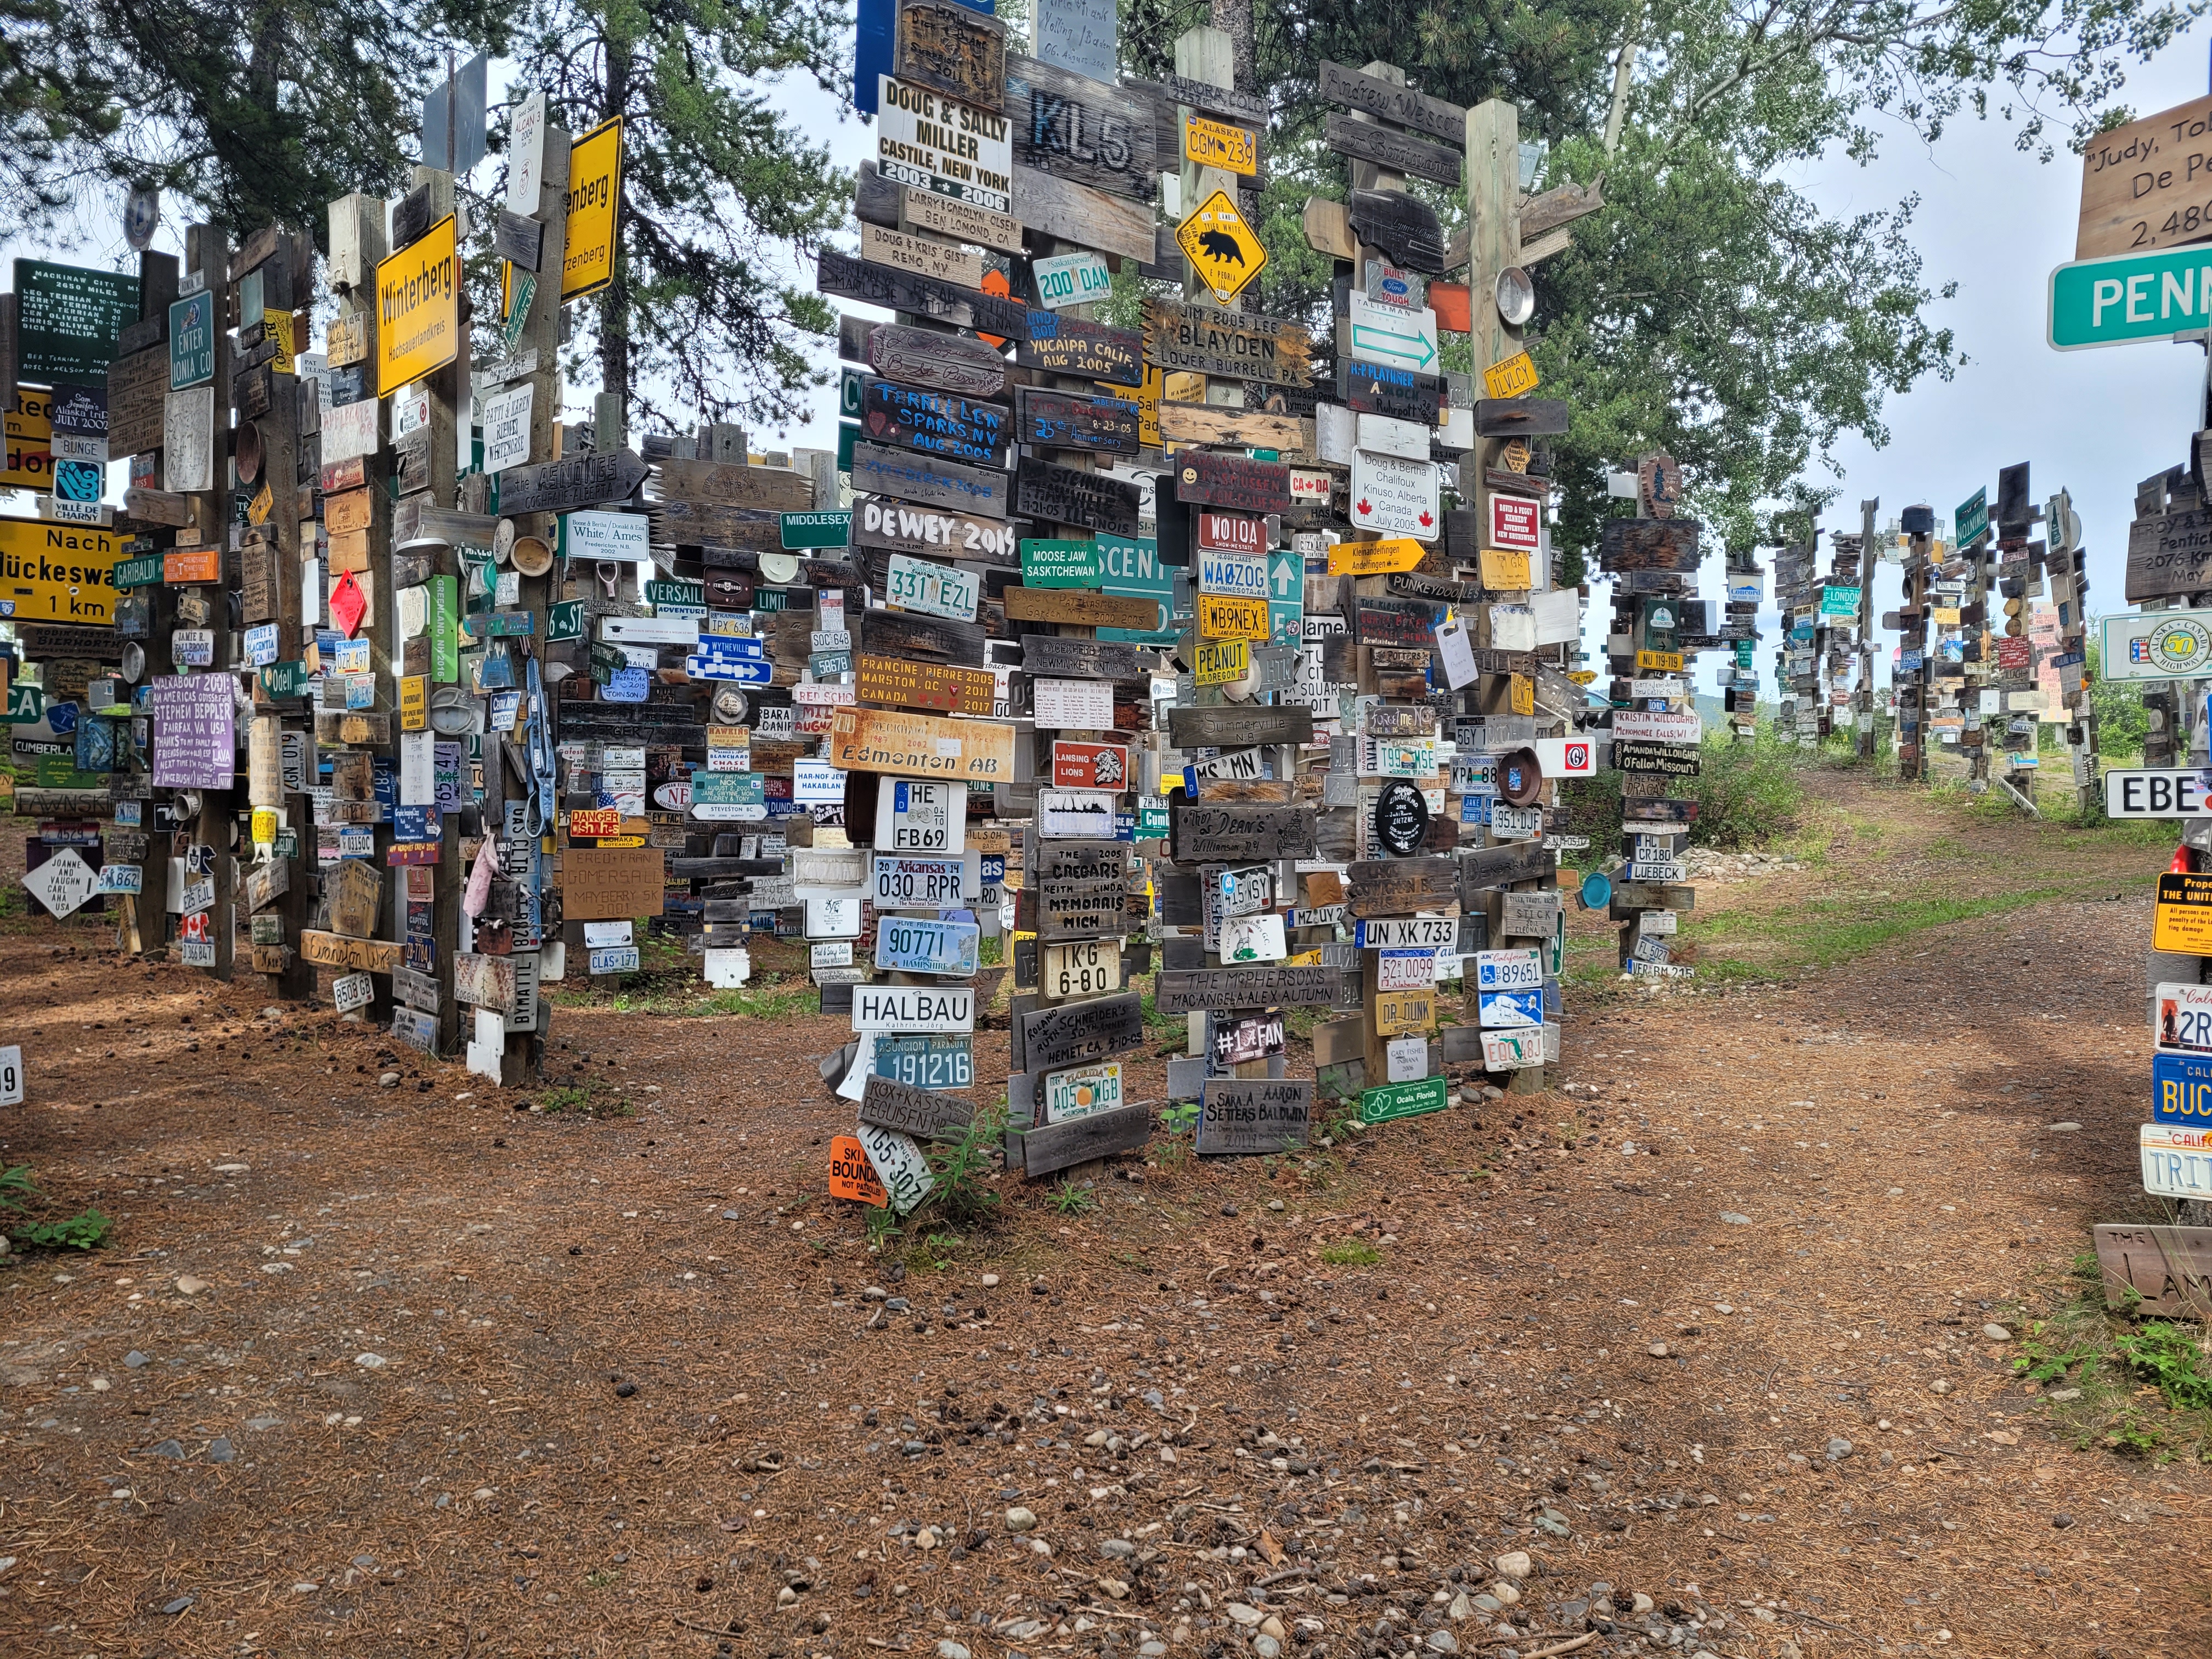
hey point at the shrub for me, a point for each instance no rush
(85, 1230)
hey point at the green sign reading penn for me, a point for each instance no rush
(2130, 297)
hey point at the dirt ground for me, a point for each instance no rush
(414, 1370)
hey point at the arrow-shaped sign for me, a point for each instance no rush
(1390, 334)
(1284, 574)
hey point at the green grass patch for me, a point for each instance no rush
(2142, 1389)
(1351, 1254)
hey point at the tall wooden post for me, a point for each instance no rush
(208, 252)
(1862, 699)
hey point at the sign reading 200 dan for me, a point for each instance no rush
(937, 143)
(418, 307)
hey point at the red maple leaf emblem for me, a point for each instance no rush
(1363, 509)
(1427, 518)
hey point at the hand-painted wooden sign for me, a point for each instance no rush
(1076, 1033)
(1403, 227)
(925, 256)
(1232, 480)
(1063, 495)
(1061, 605)
(1226, 833)
(1398, 887)
(880, 470)
(1650, 544)
(953, 49)
(1090, 131)
(581, 481)
(848, 278)
(1180, 991)
(1061, 657)
(1391, 390)
(1043, 1151)
(935, 423)
(1367, 142)
(909, 684)
(1229, 727)
(924, 1113)
(1071, 345)
(1061, 420)
(1253, 1116)
(1357, 89)
(898, 527)
(875, 740)
(947, 362)
(1181, 337)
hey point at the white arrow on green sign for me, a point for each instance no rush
(2130, 297)
(1388, 334)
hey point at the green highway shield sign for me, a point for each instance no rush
(2130, 297)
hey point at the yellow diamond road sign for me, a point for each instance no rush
(1221, 246)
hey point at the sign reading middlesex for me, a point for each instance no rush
(418, 308)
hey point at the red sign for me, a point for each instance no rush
(851, 1175)
(197, 564)
(1515, 524)
(590, 822)
(2014, 653)
(1089, 765)
(411, 851)
(193, 929)
(1232, 532)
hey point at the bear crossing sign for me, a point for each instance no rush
(1220, 247)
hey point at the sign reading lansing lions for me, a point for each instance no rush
(594, 209)
(418, 308)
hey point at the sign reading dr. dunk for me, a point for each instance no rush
(2130, 297)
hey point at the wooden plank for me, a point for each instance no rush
(2132, 203)
(1076, 1033)
(1247, 1117)
(2170, 1268)
(881, 201)
(848, 278)
(1076, 213)
(877, 471)
(1190, 990)
(153, 505)
(1078, 909)
(337, 951)
(1640, 895)
(1043, 1151)
(1357, 89)
(1169, 90)
(1327, 226)
(943, 362)
(925, 256)
(1397, 887)
(924, 1114)
(1065, 420)
(2169, 553)
(940, 423)
(1664, 544)
(920, 746)
(137, 386)
(1403, 394)
(943, 44)
(709, 523)
(1200, 339)
(1073, 127)
(905, 684)
(903, 634)
(518, 239)
(1061, 657)
(1071, 345)
(1409, 624)
(1495, 866)
(1231, 726)
(899, 528)
(1240, 428)
(1519, 417)
(580, 481)
(1404, 228)
(1236, 481)
(1079, 606)
(1206, 833)
(1557, 208)
(1064, 495)
(1400, 153)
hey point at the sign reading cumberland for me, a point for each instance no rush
(418, 308)
(56, 572)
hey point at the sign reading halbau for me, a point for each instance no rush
(2130, 297)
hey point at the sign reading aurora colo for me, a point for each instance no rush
(2130, 297)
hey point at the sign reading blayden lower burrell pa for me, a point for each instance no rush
(418, 307)
(1254, 1116)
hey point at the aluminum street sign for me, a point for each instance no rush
(2130, 297)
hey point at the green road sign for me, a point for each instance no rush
(2130, 297)
(827, 529)
(1972, 519)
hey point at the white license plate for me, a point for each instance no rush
(1076, 970)
(2177, 1163)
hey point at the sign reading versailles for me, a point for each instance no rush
(594, 195)
(418, 307)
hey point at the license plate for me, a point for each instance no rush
(1516, 820)
(919, 882)
(932, 589)
(925, 817)
(925, 1062)
(1243, 891)
(914, 946)
(1407, 932)
(1511, 1008)
(1075, 970)
(1405, 970)
(1082, 1092)
(615, 959)
(2177, 1163)
(1509, 970)
(1511, 1051)
(2184, 1024)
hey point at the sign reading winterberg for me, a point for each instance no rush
(2130, 297)
(418, 306)
(940, 144)
(588, 258)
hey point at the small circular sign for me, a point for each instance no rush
(2178, 647)
(1190, 474)
(502, 541)
(729, 706)
(1597, 890)
(246, 450)
(1517, 296)
(1401, 817)
(532, 555)
(779, 568)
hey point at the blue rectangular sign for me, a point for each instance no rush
(2181, 1088)
(927, 1062)
(913, 945)
(1508, 1009)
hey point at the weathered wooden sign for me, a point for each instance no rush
(1247, 428)
(1404, 226)
(2169, 553)
(1182, 338)
(924, 1114)
(1064, 495)
(948, 46)
(1519, 417)
(1230, 727)
(917, 745)
(1072, 1033)
(881, 201)
(1090, 131)
(1062, 420)
(1229, 832)
(1495, 866)
(898, 527)
(2156, 1269)
(1256, 1115)
(1232, 480)
(1407, 623)
(1674, 760)
(1075, 213)
(848, 278)
(1072, 345)
(1065, 657)
(944, 362)
(1092, 907)
(1402, 394)
(1068, 604)
(1366, 142)
(925, 256)
(1357, 89)
(906, 475)
(1187, 990)
(1650, 544)
(942, 423)
(1394, 887)
(577, 482)
(1041, 1151)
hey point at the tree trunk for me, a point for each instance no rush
(614, 302)
(1234, 19)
